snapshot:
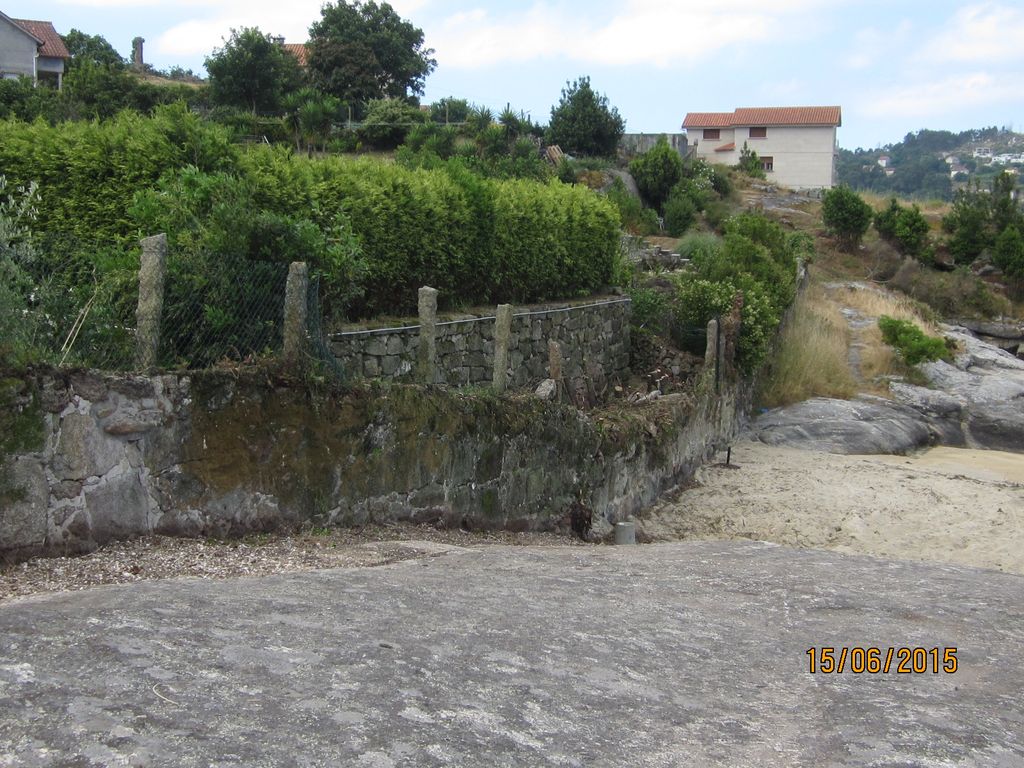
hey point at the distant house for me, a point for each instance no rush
(983, 152)
(884, 161)
(796, 145)
(31, 49)
(298, 50)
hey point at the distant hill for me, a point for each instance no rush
(932, 164)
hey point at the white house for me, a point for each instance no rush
(796, 145)
(31, 49)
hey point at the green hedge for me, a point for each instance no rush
(88, 172)
(477, 240)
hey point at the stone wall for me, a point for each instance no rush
(220, 454)
(594, 339)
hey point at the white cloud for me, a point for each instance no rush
(947, 96)
(214, 19)
(873, 46)
(979, 33)
(642, 32)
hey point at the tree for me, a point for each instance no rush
(750, 163)
(1009, 252)
(251, 71)
(362, 51)
(450, 110)
(388, 122)
(583, 123)
(656, 171)
(846, 214)
(93, 48)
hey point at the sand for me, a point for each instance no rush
(946, 505)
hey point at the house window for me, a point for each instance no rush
(767, 163)
(759, 133)
(711, 133)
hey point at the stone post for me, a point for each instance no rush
(555, 367)
(713, 350)
(152, 268)
(296, 310)
(502, 336)
(427, 358)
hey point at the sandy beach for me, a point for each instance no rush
(945, 505)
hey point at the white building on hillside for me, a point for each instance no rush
(796, 145)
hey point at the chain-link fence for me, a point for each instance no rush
(319, 345)
(67, 304)
(235, 315)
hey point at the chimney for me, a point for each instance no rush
(279, 40)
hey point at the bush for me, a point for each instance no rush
(88, 173)
(905, 228)
(1009, 252)
(846, 215)
(651, 310)
(950, 294)
(388, 122)
(913, 345)
(636, 219)
(680, 213)
(656, 172)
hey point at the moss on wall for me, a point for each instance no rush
(22, 429)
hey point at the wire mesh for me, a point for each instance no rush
(235, 314)
(319, 346)
(67, 304)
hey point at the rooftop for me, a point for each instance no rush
(828, 116)
(52, 44)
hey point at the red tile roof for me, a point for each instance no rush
(708, 120)
(726, 147)
(43, 30)
(829, 116)
(298, 50)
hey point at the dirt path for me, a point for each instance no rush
(946, 505)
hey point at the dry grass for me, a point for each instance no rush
(875, 302)
(812, 355)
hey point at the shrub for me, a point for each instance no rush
(88, 172)
(388, 121)
(695, 243)
(750, 163)
(1009, 252)
(680, 213)
(651, 309)
(950, 294)
(846, 215)
(636, 219)
(656, 172)
(913, 345)
(905, 228)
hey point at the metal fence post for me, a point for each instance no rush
(427, 358)
(296, 312)
(502, 336)
(152, 268)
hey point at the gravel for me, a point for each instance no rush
(161, 557)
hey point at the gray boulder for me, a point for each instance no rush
(864, 425)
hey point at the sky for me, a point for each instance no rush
(894, 66)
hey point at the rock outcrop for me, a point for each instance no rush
(975, 401)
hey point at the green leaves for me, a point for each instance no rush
(583, 123)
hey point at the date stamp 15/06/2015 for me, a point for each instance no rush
(873, 661)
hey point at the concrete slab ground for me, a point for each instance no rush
(689, 654)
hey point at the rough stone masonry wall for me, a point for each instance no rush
(217, 454)
(594, 339)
